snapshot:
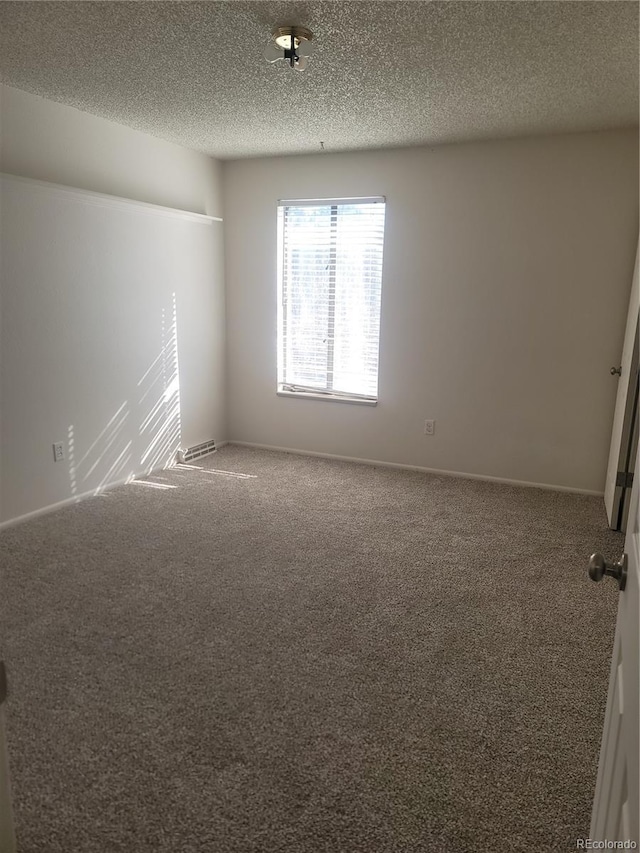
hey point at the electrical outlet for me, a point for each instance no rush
(58, 451)
(429, 427)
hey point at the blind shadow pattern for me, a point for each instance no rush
(144, 436)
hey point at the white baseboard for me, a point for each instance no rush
(72, 500)
(378, 463)
(90, 494)
(439, 471)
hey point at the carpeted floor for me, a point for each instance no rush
(313, 657)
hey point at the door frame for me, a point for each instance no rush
(621, 452)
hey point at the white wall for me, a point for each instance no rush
(52, 142)
(506, 279)
(96, 299)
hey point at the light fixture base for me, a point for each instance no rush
(283, 36)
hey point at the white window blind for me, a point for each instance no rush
(329, 279)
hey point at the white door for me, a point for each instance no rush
(616, 803)
(614, 492)
(7, 839)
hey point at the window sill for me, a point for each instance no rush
(309, 395)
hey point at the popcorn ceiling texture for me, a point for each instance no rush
(384, 74)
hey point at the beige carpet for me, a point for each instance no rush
(306, 656)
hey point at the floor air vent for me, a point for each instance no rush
(197, 451)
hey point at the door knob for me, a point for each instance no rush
(599, 567)
(616, 371)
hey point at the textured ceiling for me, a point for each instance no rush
(383, 74)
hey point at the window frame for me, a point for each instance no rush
(285, 389)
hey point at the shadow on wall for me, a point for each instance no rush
(160, 388)
(123, 450)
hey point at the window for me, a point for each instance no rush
(329, 287)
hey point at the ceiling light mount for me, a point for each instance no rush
(291, 43)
